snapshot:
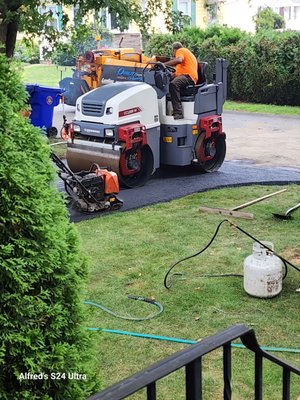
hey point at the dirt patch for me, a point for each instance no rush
(262, 139)
(293, 255)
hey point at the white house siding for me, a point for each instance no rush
(290, 10)
(240, 13)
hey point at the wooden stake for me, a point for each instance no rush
(228, 213)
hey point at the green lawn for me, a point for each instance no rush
(261, 108)
(130, 252)
(47, 75)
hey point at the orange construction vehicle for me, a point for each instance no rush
(101, 66)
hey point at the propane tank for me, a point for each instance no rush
(263, 272)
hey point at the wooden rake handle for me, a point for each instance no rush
(258, 200)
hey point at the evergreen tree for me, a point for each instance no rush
(41, 266)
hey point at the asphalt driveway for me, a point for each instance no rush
(261, 149)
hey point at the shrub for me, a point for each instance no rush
(41, 266)
(265, 68)
(64, 54)
(160, 45)
(11, 84)
(267, 19)
(27, 52)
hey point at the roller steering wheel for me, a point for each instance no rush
(161, 66)
(171, 69)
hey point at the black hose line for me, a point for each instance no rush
(285, 262)
(193, 255)
(262, 244)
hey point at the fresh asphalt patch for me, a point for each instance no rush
(169, 183)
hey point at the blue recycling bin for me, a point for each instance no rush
(42, 101)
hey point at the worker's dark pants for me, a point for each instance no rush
(176, 84)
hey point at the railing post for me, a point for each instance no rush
(258, 376)
(193, 380)
(286, 381)
(227, 370)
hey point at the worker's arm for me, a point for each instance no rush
(174, 61)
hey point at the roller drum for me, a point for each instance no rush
(81, 157)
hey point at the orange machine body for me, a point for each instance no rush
(89, 66)
(111, 180)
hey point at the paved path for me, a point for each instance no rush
(169, 184)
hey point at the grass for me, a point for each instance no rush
(261, 108)
(47, 75)
(58, 146)
(130, 252)
(50, 75)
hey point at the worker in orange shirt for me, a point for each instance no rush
(186, 73)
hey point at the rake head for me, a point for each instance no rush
(282, 216)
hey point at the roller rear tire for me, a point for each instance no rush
(210, 152)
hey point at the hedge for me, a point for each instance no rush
(27, 53)
(42, 269)
(263, 68)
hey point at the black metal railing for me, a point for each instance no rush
(191, 359)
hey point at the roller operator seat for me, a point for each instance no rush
(188, 93)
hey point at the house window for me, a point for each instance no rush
(144, 5)
(54, 20)
(110, 22)
(212, 11)
(184, 6)
(287, 13)
(75, 11)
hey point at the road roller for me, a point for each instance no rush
(128, 126)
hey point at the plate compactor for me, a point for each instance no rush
(90, 191)
(129, 126)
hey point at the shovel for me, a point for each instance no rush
(287, 214)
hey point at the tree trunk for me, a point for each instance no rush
(3, 36)
(11, 37)
(9, 24)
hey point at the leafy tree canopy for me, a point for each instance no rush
(267, 19)
(24, 15)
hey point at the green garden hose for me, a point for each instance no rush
(185, 341)
(138, 298)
